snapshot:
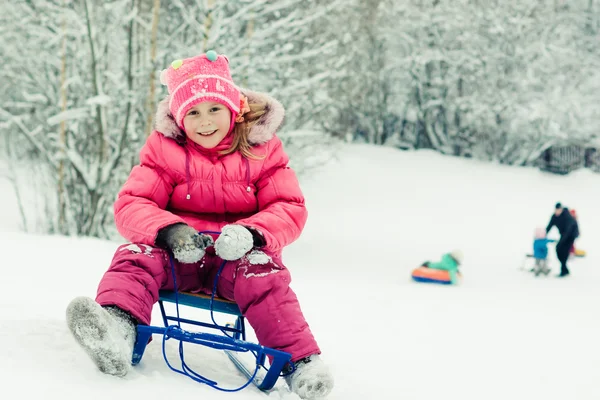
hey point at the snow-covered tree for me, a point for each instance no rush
(77, 116)
(500, 80)
(82, 101)
(356, 100)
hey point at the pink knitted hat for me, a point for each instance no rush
(205, 77)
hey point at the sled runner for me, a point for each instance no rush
(232, 339)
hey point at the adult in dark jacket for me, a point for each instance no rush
(569, 230)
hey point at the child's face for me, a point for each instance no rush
(207, 123)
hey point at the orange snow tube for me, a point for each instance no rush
(430, 275)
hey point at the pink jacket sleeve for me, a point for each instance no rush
(282, 213)
(140, 206)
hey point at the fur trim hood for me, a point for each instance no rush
(262, 131)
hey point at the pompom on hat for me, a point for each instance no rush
(205, 77)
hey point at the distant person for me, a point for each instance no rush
(450, 262)
(569, 230)
(540, 252)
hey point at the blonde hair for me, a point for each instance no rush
(241, 130)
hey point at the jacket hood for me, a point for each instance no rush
(261, 132)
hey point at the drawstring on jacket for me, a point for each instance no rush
(248, 189)
(187, 173)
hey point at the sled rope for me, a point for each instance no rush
(212, 299)
(174, 331)
(212, 317)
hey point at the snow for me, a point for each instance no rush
(73, 113)
(375, 213)
(9, 211)
(100, 100)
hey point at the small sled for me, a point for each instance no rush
(232, 339)
(540, 267)
(579, 253)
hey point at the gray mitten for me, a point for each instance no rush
(186, 243)
(233, 242)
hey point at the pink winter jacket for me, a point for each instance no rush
(179, 181)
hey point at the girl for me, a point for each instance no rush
(213, 164)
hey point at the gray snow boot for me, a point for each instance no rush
(107, 334)
(311, 379)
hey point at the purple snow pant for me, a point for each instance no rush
(258, 283)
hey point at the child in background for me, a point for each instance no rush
(449, 262)
(540, 252)
(573, 250)
(213, 163)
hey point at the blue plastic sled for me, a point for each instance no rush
(233, 344)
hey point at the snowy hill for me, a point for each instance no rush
(375, 213)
